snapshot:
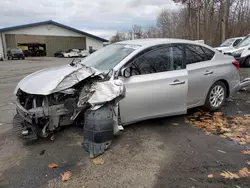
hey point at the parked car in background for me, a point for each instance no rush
(15, 53)
(1, 57)
(229, 44)
(71, 53)
(200, 41)
(241, 52)
(58, 54)
(83, 53)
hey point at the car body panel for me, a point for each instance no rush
(141, 101)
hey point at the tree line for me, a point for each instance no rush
(210, 20)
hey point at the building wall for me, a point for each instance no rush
(1, 45)
(94, 43)
(48, 30)
(47, 34)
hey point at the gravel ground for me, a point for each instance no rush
(164, 152)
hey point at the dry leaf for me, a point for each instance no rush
(246, 152)
(66, 176)
(244, 172)
(242, 143)
(218, 113)
(53, 165)
(208, 133)
(210, 175)
(229, 175)
(98, 161)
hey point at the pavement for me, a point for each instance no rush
(164, 152)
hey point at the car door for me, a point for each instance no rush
(156, 85)
(200, 72)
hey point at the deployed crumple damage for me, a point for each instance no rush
(51, 80)
(52, 98)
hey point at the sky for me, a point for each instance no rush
(99, 17)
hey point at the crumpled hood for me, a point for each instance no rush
(47, 81)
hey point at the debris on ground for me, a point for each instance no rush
(52, 165)
(192, 179)
(98, 161)
(65, 176)
(234, 128)
(221, 151)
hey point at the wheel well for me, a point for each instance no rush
(227, 86)
(244, 63)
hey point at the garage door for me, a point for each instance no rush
(53, 43)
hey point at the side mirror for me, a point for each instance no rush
(125, 72)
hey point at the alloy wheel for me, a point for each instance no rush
(217, 96)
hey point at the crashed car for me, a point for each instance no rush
(123, 83)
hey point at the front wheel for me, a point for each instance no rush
(216, 96)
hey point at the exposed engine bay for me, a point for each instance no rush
(79, 96)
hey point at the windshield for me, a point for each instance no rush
(227, 42)
(244, 42)
(106, 58)
(16, 50)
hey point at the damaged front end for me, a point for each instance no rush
(82, 96)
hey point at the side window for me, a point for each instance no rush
(209, 53)
(194, 54)
(158, 60)
(236, 42)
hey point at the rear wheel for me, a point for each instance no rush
(216, 96)
(247, 62)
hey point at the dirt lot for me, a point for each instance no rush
(164, 152)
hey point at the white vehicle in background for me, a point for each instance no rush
(71, 53)
(241, 52)
(229, 44)
(83, 53)
(200, 41)
(1, 57)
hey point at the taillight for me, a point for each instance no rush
(236, 64)
(220, 51)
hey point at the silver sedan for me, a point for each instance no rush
(165, 77)
(147, 78)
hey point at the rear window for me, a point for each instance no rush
(196, 54)
(208, 52)
(16, 50)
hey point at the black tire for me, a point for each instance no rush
(23, 58)
(208, 104)
(8, 58)
(1, 59)
(247, 62)
(12, 58)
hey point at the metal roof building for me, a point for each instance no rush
(50, 35)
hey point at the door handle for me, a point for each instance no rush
(208, 72)
(177, 82)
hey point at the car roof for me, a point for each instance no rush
(155, 41)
